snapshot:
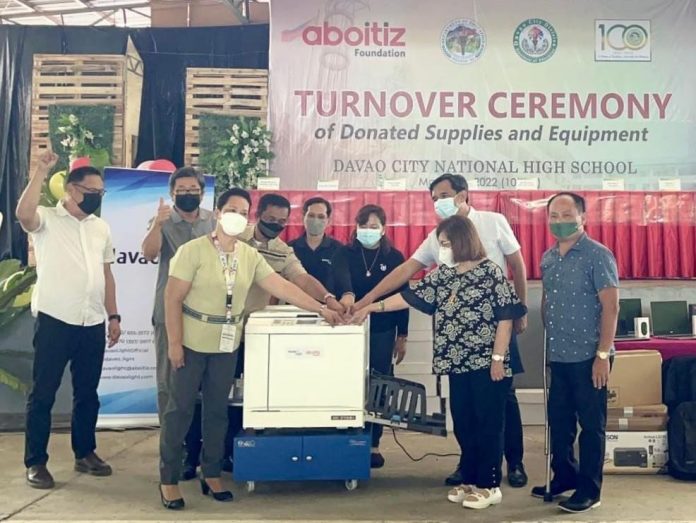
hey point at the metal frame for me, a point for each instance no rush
(106, 13)
(87, 7)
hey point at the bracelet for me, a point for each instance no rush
(116, 317)
(349, 293)
(329, 295)
(382, 306)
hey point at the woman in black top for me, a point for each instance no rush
(369, 259)
(474, 306)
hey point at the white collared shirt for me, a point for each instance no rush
(495, 232)
(70, 258)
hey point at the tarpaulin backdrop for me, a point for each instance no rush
(509, 93)
(166, 53)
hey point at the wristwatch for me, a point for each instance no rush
(498, 357)
(602, 355)
(116, 317)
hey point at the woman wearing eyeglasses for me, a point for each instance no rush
(369, 259)
(209, 280)
(474, 307)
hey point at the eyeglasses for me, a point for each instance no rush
(182, 192)
(90, 190)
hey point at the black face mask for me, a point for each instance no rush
(187, 202)
(90, 202)
(270, 230)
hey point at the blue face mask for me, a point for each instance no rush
(369, 237)
(445, 207)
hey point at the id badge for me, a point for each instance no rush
(228, 337)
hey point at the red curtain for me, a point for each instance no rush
(652, 234)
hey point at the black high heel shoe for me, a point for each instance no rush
(224, 495)
(171, 504)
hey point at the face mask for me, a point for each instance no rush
(446, 257)
(369, 237)
(445, 207)
(270, 230)
(187, 202)
(563, 230)
(232, 223)
(315, 226)
(90, 203)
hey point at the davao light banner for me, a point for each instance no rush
(534, 94)
(128, 386)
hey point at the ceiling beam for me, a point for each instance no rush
(66, 12)
(138, 12)
(237, 8)
(33, 11)
(104, 16)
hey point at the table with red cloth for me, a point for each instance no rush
(668, 347)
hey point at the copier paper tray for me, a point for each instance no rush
(395, 402)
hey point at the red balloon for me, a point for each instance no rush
(163, 165)
(146, 166)
(83, 161)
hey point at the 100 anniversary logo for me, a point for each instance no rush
(463, 41)
(535, 40)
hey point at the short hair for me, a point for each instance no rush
(364, 215)
(229, 193)
(272, 200)
(457, 181)
(186, 172)
(79, 173)
(465, 240)
(577, 199)
(317, 200)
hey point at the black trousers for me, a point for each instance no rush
(477, 405)
(55, 344)
(514, 439)
(381, 352)
(572, 399)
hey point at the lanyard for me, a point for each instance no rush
(230, 272)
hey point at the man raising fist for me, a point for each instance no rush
(170, 229)
(74, 294)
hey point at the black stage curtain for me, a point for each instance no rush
(166, 54)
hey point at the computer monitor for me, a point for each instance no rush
(629, 309)
(670, 317)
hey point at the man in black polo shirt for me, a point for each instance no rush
(317, 251)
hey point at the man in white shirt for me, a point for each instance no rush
(74, 293)
(450, 193)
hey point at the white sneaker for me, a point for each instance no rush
(481, 498)
(457, 494)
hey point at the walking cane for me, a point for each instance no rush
(547, 429)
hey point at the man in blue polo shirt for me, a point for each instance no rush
(580, 305)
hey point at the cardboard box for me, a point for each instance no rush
(636, 379)
(649, 424)
(635, 452)
(645, 411)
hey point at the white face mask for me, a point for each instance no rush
(446, 257)
(232, 223)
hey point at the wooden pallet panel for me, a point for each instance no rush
(77, 80)
(235, 92)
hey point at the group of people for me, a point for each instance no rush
(215, 269)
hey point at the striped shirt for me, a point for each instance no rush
(280, 256)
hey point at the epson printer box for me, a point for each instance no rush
(635, 452)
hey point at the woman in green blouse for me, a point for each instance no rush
(209, 279)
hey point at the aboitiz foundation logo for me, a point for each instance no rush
(535, 40)
(463, 41)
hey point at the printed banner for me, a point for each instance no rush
(536, 94)
(128, 386)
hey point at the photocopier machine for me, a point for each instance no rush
(307, 395)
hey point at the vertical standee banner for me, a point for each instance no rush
(532, 94)
(128, 386)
